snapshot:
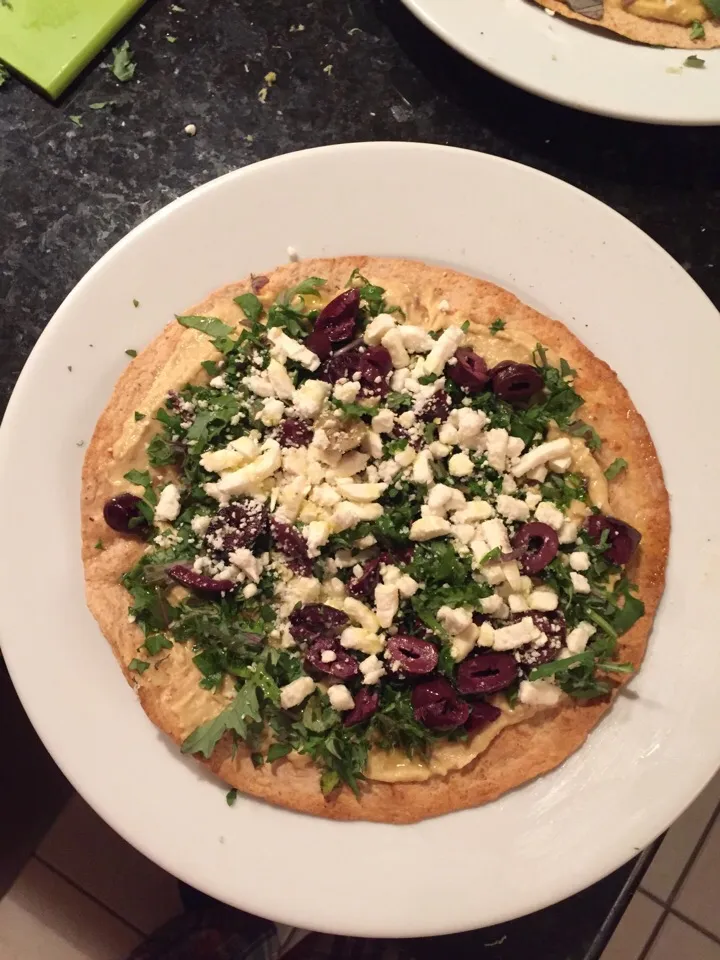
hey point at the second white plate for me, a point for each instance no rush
(579, 66)
(564, 253)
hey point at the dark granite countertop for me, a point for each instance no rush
(70, 192)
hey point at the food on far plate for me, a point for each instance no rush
(372, 538)
(667, 23)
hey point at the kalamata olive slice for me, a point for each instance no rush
(437, 408)
(237, 525)
(552, 624)
(291, 542)
(481, 714)
(366, 703)
(539, 544)
(341, 366)
(414, 655)
(516, 382)
(343, 667)
(319, 342)
(317, 620)
(198, 581)
(622, 539)
(294, 433)
(375, 365)
(122, 513)
(470, 370)
(437, 705)
(484, 673)
(364, 585)
(258, 281)
(337, 320)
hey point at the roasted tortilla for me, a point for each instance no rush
(514, 752)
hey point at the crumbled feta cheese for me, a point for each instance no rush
(407, 587)
(393, 343)
(372, 669)
(293, 694)
(347, 514)
(316, 533)
(325, 495)
(509, 486)
(339, 696)
(284, 346)
(378, 328)
(455, 619)
(540, 455)
(328, 656)
(250, 565)
(235, 454)
(516, 635)
(398, 379)
(362, 492)
(463, 643)
(511, 572)
(470, 425)
(444, 347)
(249, 591)
(539, 693)
(496, 444)
(168, 506)
(486, 634)
(548, 513)
(372, 445)
(579, 560)
(415, 339)
(460, 465)
(407, 419)
(580, 583)
(405, 457)
(448, 434)
(560, 464)
(427, 528)
(383, 421)
(439, 450)
(517, 603)
(568, 532)
(578, 638)
(422, 471)
(386, 603)
(495, 534)
(218, 382)
(464, 532)
(387, 470)
(443, 499)
(279, 380)
(543, 598)
(199, 525)
(494, 606)
(362, 639)
(532, 499)
(271, 412)
(361, 614)
(474, 512)
(512, 508)
(259, 384)
(308, 399)
(241, 480)
(346, 392)
(515, 447)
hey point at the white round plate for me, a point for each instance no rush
(562, 252)
(576, 65)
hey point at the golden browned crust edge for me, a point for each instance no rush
(653, 32)
(519, 753)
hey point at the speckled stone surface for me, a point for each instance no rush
(357, 70)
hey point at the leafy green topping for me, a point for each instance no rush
(357, 410)
(123, 65)
(589, 434)
(99, 545)
(577, 675)
(713, 6)
(138, 666)
(497, 325)
(697, 30)
(616, 467)
(250, 306)
(208, 325)
(139, 416)
(231, 796)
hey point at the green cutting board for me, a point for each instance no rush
(50, 41)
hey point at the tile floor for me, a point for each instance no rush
(87, 895)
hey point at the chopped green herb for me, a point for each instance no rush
(354, 409)
(4, 74)
(589, 434)
(123, 65)
(231, 797)
(207, 325)
(170, 39)
(139, 416)
(176, 8)
(99, 545)
(250, 306)
(138, 666)
(493, 554)
(101, 104)
(496, 326)
(694, 61)
(713, 6)
(136, 303)
(76, 118)
(697, 31)
(616, 467)
(131, 353)
(278, 750)
(155, 642)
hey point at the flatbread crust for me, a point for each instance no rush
(169, 692)
(653, 32)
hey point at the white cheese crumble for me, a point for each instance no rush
(427, 528)
(168, 506)
(340, 697)
(580, 583)
(579, 560)
(578, 638)
(540, 455)
(372, 669)
(539, 693)
(293, 694)
(460, 465)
